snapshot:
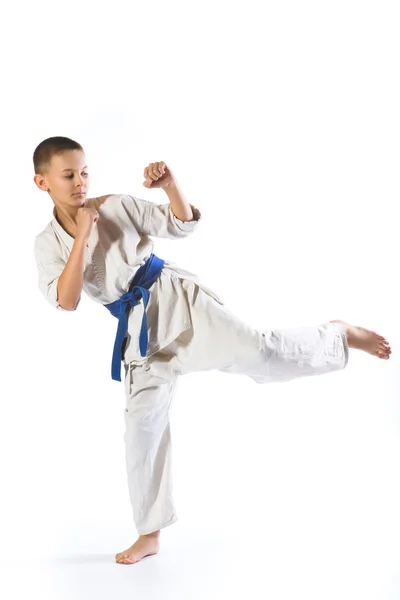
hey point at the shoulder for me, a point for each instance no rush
(110, 201)
(121, 206)
(99, 201)
(46, 240)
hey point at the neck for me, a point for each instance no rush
(67, 218)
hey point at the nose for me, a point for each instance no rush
(80, 182)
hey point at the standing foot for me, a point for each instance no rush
(145, 545)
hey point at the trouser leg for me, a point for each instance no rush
(148, 447)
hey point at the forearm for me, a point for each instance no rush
(180, 206)
(70, 283)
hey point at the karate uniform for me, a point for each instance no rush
(189, 329)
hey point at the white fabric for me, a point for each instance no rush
(190, 329)
(119, 244)
(216, 340)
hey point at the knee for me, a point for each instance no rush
(146, 422)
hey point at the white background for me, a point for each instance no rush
(281, 122)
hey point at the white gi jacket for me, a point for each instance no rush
(118, 245)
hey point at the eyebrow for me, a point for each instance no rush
(71, 169)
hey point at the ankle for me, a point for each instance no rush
(346, 329)
(153, 534)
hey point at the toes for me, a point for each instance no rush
(384, 345)
(385, 354)
(120, 556)
(126, 560)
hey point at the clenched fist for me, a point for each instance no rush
(85, 219)
(158, 175)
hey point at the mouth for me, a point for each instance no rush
(79, 194)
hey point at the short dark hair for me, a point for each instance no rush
(48, 148)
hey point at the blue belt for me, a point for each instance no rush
(139, 288)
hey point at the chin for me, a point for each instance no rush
(79, 198)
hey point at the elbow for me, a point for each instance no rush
(67, 301)
(67, 305)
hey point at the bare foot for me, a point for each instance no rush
(145, 545)
(366, 340)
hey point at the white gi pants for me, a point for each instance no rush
(216, 340)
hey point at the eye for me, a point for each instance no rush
(72, 175)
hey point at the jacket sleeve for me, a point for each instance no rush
(158, 220)
(50, 266)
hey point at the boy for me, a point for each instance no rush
(169, 323)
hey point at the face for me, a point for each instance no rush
(67, 179)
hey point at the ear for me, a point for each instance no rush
(40, 182)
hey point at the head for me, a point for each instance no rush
(61, 171)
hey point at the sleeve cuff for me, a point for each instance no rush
(187, 226)
(52, 298)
